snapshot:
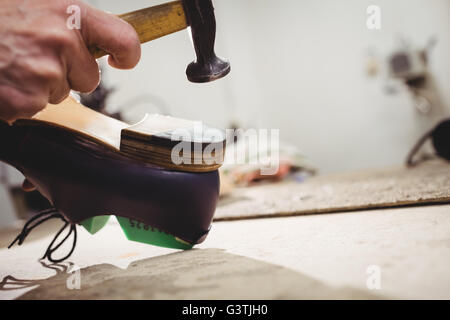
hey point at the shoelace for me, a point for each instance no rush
(40, 218)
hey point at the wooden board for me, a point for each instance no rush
(394, 187)
(307, 257)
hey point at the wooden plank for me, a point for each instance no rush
(427, 183)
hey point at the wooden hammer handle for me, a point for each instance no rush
(152, 23)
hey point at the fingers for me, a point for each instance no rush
(83, 73)
(113, 35)
(46, 76)
(30, 84)
(60, 87)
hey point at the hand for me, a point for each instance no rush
(42, 59)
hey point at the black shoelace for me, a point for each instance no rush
(40, 218)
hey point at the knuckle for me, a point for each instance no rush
(52, 74)
(60, 37)
(45, 69)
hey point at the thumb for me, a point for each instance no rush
(113, 35)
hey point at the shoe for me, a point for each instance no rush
(75, 158)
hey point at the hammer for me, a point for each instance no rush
(158, 21)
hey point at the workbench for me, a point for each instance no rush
(330, 256)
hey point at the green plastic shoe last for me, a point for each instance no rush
(93, 225)
(137, 231)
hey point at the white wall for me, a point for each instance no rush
(298, 65)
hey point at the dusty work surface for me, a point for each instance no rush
(400, 186)
(304, 257)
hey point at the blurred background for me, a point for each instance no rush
(347, 96)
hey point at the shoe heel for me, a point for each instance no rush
(95, 224)
(139, 232)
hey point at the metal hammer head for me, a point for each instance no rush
(208, 67)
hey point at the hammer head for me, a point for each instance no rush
(208, 67)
